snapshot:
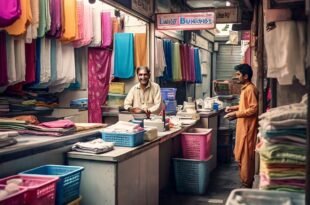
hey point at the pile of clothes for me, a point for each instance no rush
(8, 138)
(96, 146)
(124, 127)
(282, 147)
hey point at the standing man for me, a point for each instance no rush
(144, 97)
(246, 129)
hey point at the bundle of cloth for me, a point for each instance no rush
(96, 146)
(8, 138)
(124, 127)
(282, 147)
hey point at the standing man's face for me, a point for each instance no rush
(143, 77)
(241, 78)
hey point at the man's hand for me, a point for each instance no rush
(231, 116)
(228, 109)
(136, 110)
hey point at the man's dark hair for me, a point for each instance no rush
(245, 69)
(143, 68)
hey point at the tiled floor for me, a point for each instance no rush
(222, 180)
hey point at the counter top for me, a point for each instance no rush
(208, 114)
(30, 145)
(123, 153)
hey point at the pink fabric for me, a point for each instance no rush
(58, 124)
(99, 69)
(30, 62)
(10, 11)
(191, 65)
(106, 25)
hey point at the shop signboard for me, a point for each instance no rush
(144, 7)
(185, 21)
(227, 15)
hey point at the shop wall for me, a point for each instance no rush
(288, 94)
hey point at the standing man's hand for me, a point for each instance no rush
(231, 116)
(228, 109)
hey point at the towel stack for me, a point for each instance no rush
(282, 147)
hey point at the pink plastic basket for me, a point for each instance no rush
(39, 190)
(196, 143)
(17, 198)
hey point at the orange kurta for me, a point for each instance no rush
(246, 131)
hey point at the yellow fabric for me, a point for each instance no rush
(140, 49)
(20, 25)
(69, 20)
(246, 131)
(149, 99)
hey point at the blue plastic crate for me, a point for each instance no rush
(124, 139)
(168, 93)
(171, 105)
(68, 185)
(191, 176)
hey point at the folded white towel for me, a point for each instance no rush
(95, 146)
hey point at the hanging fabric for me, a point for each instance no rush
(141, 50)
(19, 26)
(191, 64)
(106, 25)
(184, 62)
(3, 61)
(96, 17)
(78, 69)
(168, 70)
(32, 32)
(30, 62)
(58, 75)
(10, 11)
(176, 63)
(160, 61)
(198, 78)
(69, 20)
(44, 18)
(11, 59)
(123, 56)
(99, 64)
(45, 61)
(38, 60)
(55, 14)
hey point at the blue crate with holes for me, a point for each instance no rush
(168, 93)
(68, 185)
(124, 139)
(191, 176)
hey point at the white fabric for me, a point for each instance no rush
(12, 77)
(84, 76)
(59, 68)
(96, 15)
(95, 146)
(122, 126)
(32, 32)
(285, 48)
(160, 61)
(45, 60)
(20, 60)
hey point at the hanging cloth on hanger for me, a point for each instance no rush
(19, 26)
(69, 20)
(140, 50)
(191, 64)
(160, 61)
(184, 61)
(3, 61)
(96, 16)
(168, 56)
(44, 18)
(123, 55)
(32, 28)
(176, 62)
(106, 25)
(99, 67)
(198, 78)
(10, 11)
(55, 13)
(30, 61)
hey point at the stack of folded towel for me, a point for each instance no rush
(96, 146)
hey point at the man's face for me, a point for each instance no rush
(143, 77)
(241, 78)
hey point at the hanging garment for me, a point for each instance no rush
(308, 37)
(285, 48)
(20, 59)
(141, 50)
(123, 57)
(160, 61)
(168, 56)
(42, 18)
(3, 60)
(176, 62)
(106, 25)
(32, 28)
(69, 23)
(45, 67)
(191, 64)
(57, 63)
(80, 21)
(96, 16)
(30, 62)
(19, 26)
(11, 59)
(184, 61)
(99, 64)
(197, 66)
(78, 70)
(10, 11)
(55, 13)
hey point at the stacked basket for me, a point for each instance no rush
(192, 171)
(168, 96)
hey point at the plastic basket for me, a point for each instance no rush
(196, 143)
(68, 186)
(191, 176)
(168, 93)
(171, 105)
(124, 139)
(40, 190)
(17, 198)
(116, 100)
(117, 88)
(76, 201)
(264, 197)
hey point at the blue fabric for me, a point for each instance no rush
(53, 60)
(197, 66)
(38, 62)
(168, 56)
(78, 70)
(123, 55)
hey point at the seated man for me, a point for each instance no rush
(144, 97)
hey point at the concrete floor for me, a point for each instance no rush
(223, 180)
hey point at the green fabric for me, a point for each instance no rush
(176, 63)
(285, 132)
(42, 18)
(284, 188)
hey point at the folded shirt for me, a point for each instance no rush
(95, 146)
(58, 124)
